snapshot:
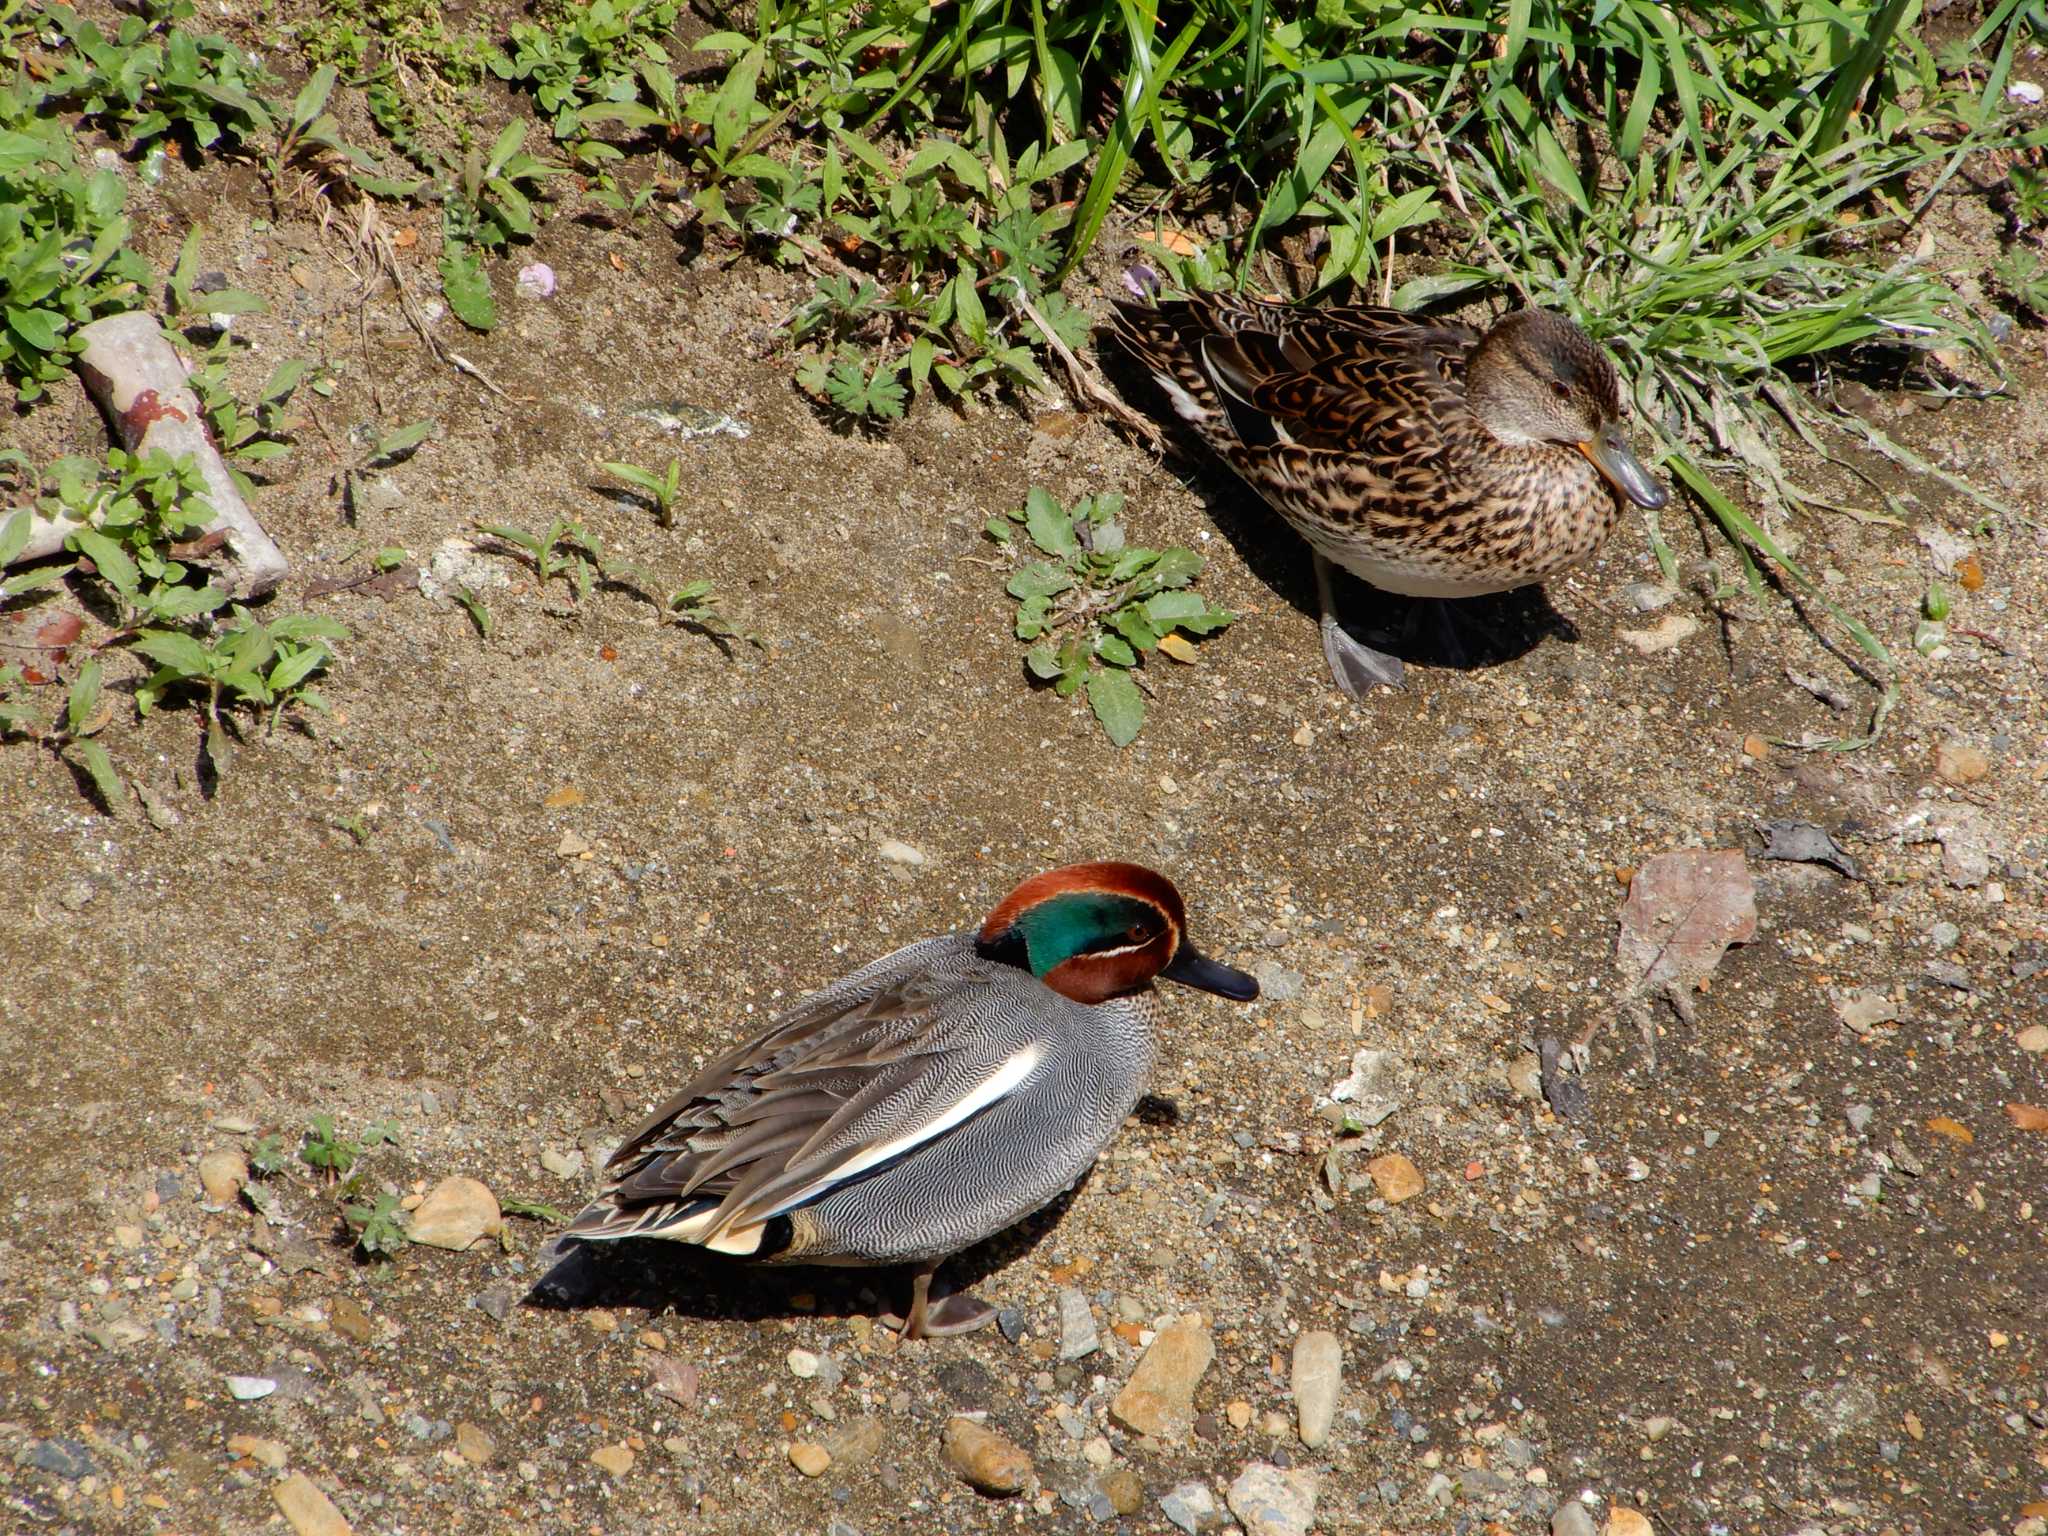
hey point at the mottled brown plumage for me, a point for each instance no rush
(1425, 458)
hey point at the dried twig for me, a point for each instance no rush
(1087, 387)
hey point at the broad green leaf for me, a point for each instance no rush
(1115, 649)
(85, 695)
(1043, 663)
(112, 560)
(466, 288)
(312, 97)
(1176, 568)
(1117, 704)
(1050, 525)
(99, 767)
(37, 327)
(295, 669)
(1039, 579)
(14, 534)
(734, 106)
(1131, 623)
(173, 651)
(1166, 609)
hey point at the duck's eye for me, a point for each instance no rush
(1559, 388)
(1137, 932)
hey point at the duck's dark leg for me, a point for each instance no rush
(1356, 668)
(940, 1318)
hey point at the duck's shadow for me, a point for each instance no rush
(684, 1281)
(1468, 634)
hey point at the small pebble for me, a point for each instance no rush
(1193, 1508)
(223, 1172)
(1078, 1335)
(1395, 1177)
(309, 1511)
(1270, 1502)
(2033, 1039)
(1571, 1518)
(894, 852)
(1859, 1117)
(456, 1212)
(809, 1458)
(563, 1165)
(473, 1445)
(1318, 1378)
(615, 1459)
(803, 1364)
(1159, 1399)
(1623, 1521)
(246, 1389)
(267, 1453)
(987, 1461)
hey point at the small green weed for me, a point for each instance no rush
(2021, 272)
(133, 517)
(1096, 606)
(379, 1227)
(325, 1150)
(70, 731)
(534, 1210)
(660, 489)
(270, 1156)
(569, 550)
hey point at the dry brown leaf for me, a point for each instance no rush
(1954, 1130)
(1683, 911)
(2028, 1117)
(1178, 647)
(564, 798)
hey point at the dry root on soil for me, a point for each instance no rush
(131, 369)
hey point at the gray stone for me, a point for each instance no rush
(1859, 1117)
(1318, 1378)
(1078, 1337)
(1193, 1508)
(1270, 1502)
(69, 1459)
(1571, 1518)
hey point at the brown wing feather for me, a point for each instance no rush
(766, 1119)
(1374, 385)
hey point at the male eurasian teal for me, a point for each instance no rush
(1422, 457)
(925, 1102)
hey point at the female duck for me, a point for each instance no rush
(1424, 458)
(925, 1102)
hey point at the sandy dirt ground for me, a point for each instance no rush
(1784, 1273)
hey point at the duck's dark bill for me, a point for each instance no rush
(1192, 968)
(1613, 457)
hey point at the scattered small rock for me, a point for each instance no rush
(346, 1316)
(246, 1389)
(1159, 1399)
(1078, 1337)
(563, 1165)
(1961, 764)
(1668, 633)
(2033, 1039)
(1270, 1502)
(1193, 1507)
(266, 1453)
(310, 1512)
(1571, 1518)
(803, 1364)
(1123, 1490)
(1525, 1075)
(987, 1461)
(473, 1445)
(894, 852)
(809, 1458)
(68, 1459)
(1623, 1521)
(1395, 1177)
(1317, 1380)
(615, 1459)
(456, 1212)
(223, 1172)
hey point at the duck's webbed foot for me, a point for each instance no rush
(938, 1317)
(1356, 667)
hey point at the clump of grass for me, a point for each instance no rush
(1094, 607)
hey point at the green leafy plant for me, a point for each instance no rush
(660, 489)
(487, 202)
(69, 732)
(328, 1152)
(1095, 606)
(267, 667)
(155, 76)
(65, 256)
(270, 1156)
(379, 1226)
